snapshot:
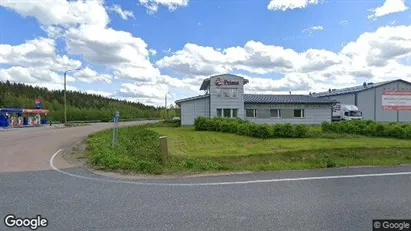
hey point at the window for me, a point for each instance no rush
(299, 113)
(234, 93)
(226, 93)
(275, 113)
(227, 112)
(218, 112)
(235, 112)
(250, 112)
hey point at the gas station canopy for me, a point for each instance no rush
(23, 111)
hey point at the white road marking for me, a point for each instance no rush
(228, 182)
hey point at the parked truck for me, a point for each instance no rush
(346, 112)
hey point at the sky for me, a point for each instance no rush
(143, 50)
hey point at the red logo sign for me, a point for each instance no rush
(220, 82)
(37, 101)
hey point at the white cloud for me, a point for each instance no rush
(312, 29)
(389, 7)
(152, 51)
(153, 5)
(379, 47)
(128, 56)
(35, 76)
(373, 55)
(284, 5)
(88, 75)
(39, 53)
(102, 93)
(83, 26)
(343, 22)
(124, 14)
(61, 12)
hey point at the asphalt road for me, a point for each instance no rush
(76, 199)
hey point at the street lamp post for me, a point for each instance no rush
(65, 94)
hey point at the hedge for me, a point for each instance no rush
(369, 128)
(243, 127)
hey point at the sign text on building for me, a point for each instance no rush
(396, 100)
(220, 82)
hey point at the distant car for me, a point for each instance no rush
(176, 118)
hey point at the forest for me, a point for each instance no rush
(80, 106)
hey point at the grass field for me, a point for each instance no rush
(184, 141)
(198, 151)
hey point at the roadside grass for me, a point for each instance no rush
(186, 142)
(197, 151)
(137, 150)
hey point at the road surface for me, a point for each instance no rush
(72, 198)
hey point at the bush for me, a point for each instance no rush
(326, 126)
(200, 124)
(408, 132)
(369, 128)
(264, 131)
(243, 127)
(300, 131)
(394, 130)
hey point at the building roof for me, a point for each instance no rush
(350, 90)
(254, 98)
(178, 102)
(206, 82)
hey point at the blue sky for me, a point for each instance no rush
(170, 49)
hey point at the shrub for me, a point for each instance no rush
(243, 129)
(225, 126)
(200, 124)
(408, 132)
(379, 130)
(287, 130)
(253, 130)
(301, 131)
(276, 130)
(264, 131)
(326, 126)
(394, 130)
(369, 128)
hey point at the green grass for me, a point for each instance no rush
(195, 151)
(184, 141)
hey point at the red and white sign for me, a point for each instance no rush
(396, 100)
(220, 82)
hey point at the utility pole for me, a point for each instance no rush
(65, 94)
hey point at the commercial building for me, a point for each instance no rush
(388, 101)
(224, 97)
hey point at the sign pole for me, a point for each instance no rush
(115, 129)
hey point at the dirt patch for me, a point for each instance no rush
(75, 154)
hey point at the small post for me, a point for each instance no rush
(164, 149)
(115, 129)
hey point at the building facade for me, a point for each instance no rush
(388, 101)
(225, 97)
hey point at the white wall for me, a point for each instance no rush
(227, 103)
(194, 108)
(314, 113)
